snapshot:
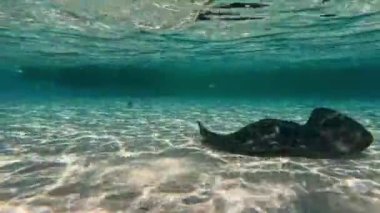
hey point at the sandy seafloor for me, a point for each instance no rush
(102, 155)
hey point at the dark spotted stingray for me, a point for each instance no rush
(327, 133)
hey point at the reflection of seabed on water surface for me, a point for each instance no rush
(69, 32)
(106, 156)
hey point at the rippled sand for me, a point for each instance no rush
(103, 155)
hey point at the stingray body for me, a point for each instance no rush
(327, 133)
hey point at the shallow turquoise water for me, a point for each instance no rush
(98, 103)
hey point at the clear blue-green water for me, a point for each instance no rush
(98, 103)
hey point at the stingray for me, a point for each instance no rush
(327, 133)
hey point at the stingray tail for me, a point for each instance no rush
(203, 130)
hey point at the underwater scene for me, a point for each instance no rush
(181, 106)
